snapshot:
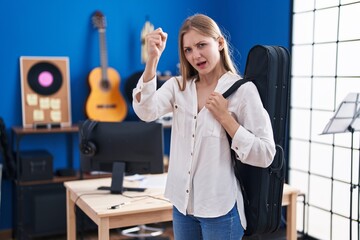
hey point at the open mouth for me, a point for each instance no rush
(201, 64)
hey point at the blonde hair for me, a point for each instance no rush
(207, 27)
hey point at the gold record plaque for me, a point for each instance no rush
(45, 92)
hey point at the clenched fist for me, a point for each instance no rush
(156, 42)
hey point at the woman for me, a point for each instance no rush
(201, 183)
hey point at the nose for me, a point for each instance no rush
(196, 53)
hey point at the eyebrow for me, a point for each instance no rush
(200, 42)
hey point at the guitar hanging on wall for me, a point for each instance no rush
(105, 102)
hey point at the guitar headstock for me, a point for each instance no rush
(99, 20)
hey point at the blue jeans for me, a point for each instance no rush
(227, 227)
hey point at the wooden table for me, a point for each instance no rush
(141, 209)
(290, 195)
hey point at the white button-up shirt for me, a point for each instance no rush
(201, 178)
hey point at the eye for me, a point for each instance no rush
(201, 45)
(187, 50)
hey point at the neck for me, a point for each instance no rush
(211, 78)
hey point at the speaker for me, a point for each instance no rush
(45, 91)
(40, 212)
(35, 165)
(87, 147)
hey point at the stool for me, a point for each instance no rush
(142, 231)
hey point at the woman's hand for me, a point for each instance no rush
(156, 42)
(218, 106)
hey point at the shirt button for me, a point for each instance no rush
(194, 117)
(176, 106)
(193, 135)
(236, 148)
(187, 191)
(188, 172)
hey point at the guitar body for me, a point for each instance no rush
(105, 102)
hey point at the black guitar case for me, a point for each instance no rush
(268, 67)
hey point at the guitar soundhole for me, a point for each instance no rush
(105, 85)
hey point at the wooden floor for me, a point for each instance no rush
(115, 234)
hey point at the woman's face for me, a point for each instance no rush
(202, 52)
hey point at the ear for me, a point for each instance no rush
(221, 43)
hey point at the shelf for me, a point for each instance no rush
(30, 194)
(27, 131)
(20, 132)
(56, 179)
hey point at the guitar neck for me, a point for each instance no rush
(103, 54)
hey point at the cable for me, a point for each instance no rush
(145, 196)
(84, 194)
(132, 197)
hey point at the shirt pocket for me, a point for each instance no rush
(212, 127)
(179, 119)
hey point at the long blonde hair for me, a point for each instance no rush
(207, 27)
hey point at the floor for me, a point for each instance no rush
(115, 234)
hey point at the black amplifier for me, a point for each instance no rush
(35, 165)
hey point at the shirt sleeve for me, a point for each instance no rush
(145, 88)
(154, 102)
(253, 142)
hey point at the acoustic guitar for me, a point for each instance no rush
(105, 102)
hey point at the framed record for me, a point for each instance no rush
(45, 92)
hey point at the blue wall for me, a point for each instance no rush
(64, 28)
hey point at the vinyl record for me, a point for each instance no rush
(45, 78)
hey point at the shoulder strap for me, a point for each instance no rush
(234, 87)
(226, 94)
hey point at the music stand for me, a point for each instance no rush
(347, 119)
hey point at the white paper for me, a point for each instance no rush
(154, 182)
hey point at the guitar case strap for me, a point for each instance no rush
(8, 157)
